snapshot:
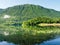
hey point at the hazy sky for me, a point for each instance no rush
(54, 4)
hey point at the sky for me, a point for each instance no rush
(52, 4)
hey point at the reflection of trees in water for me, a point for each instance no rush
(30, 34)
(26, 40)
(27, 37)
(42, 33)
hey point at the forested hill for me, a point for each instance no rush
(1, 10)
(29, 11)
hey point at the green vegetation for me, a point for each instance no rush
(39, 20)
(22, 24)
(28, 11)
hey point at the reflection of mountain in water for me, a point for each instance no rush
(6, 43)
(52, 42)
(27, 36)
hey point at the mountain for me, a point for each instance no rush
(28, 11)
(21, 24)
(1, 10)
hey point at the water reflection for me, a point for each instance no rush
(52, 42)
(29, 36)
(6, 43)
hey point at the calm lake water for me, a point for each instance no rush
(6, 43)
(31, 37)
(52, 42)
(49, 42)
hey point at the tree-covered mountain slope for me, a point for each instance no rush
(1, 10)
(28, 11)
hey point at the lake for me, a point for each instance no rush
(29, 36)
(52, 42)
(6, 43)
(49, 42)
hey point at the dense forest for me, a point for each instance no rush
(29, 11)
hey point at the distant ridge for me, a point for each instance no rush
(29, 11)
